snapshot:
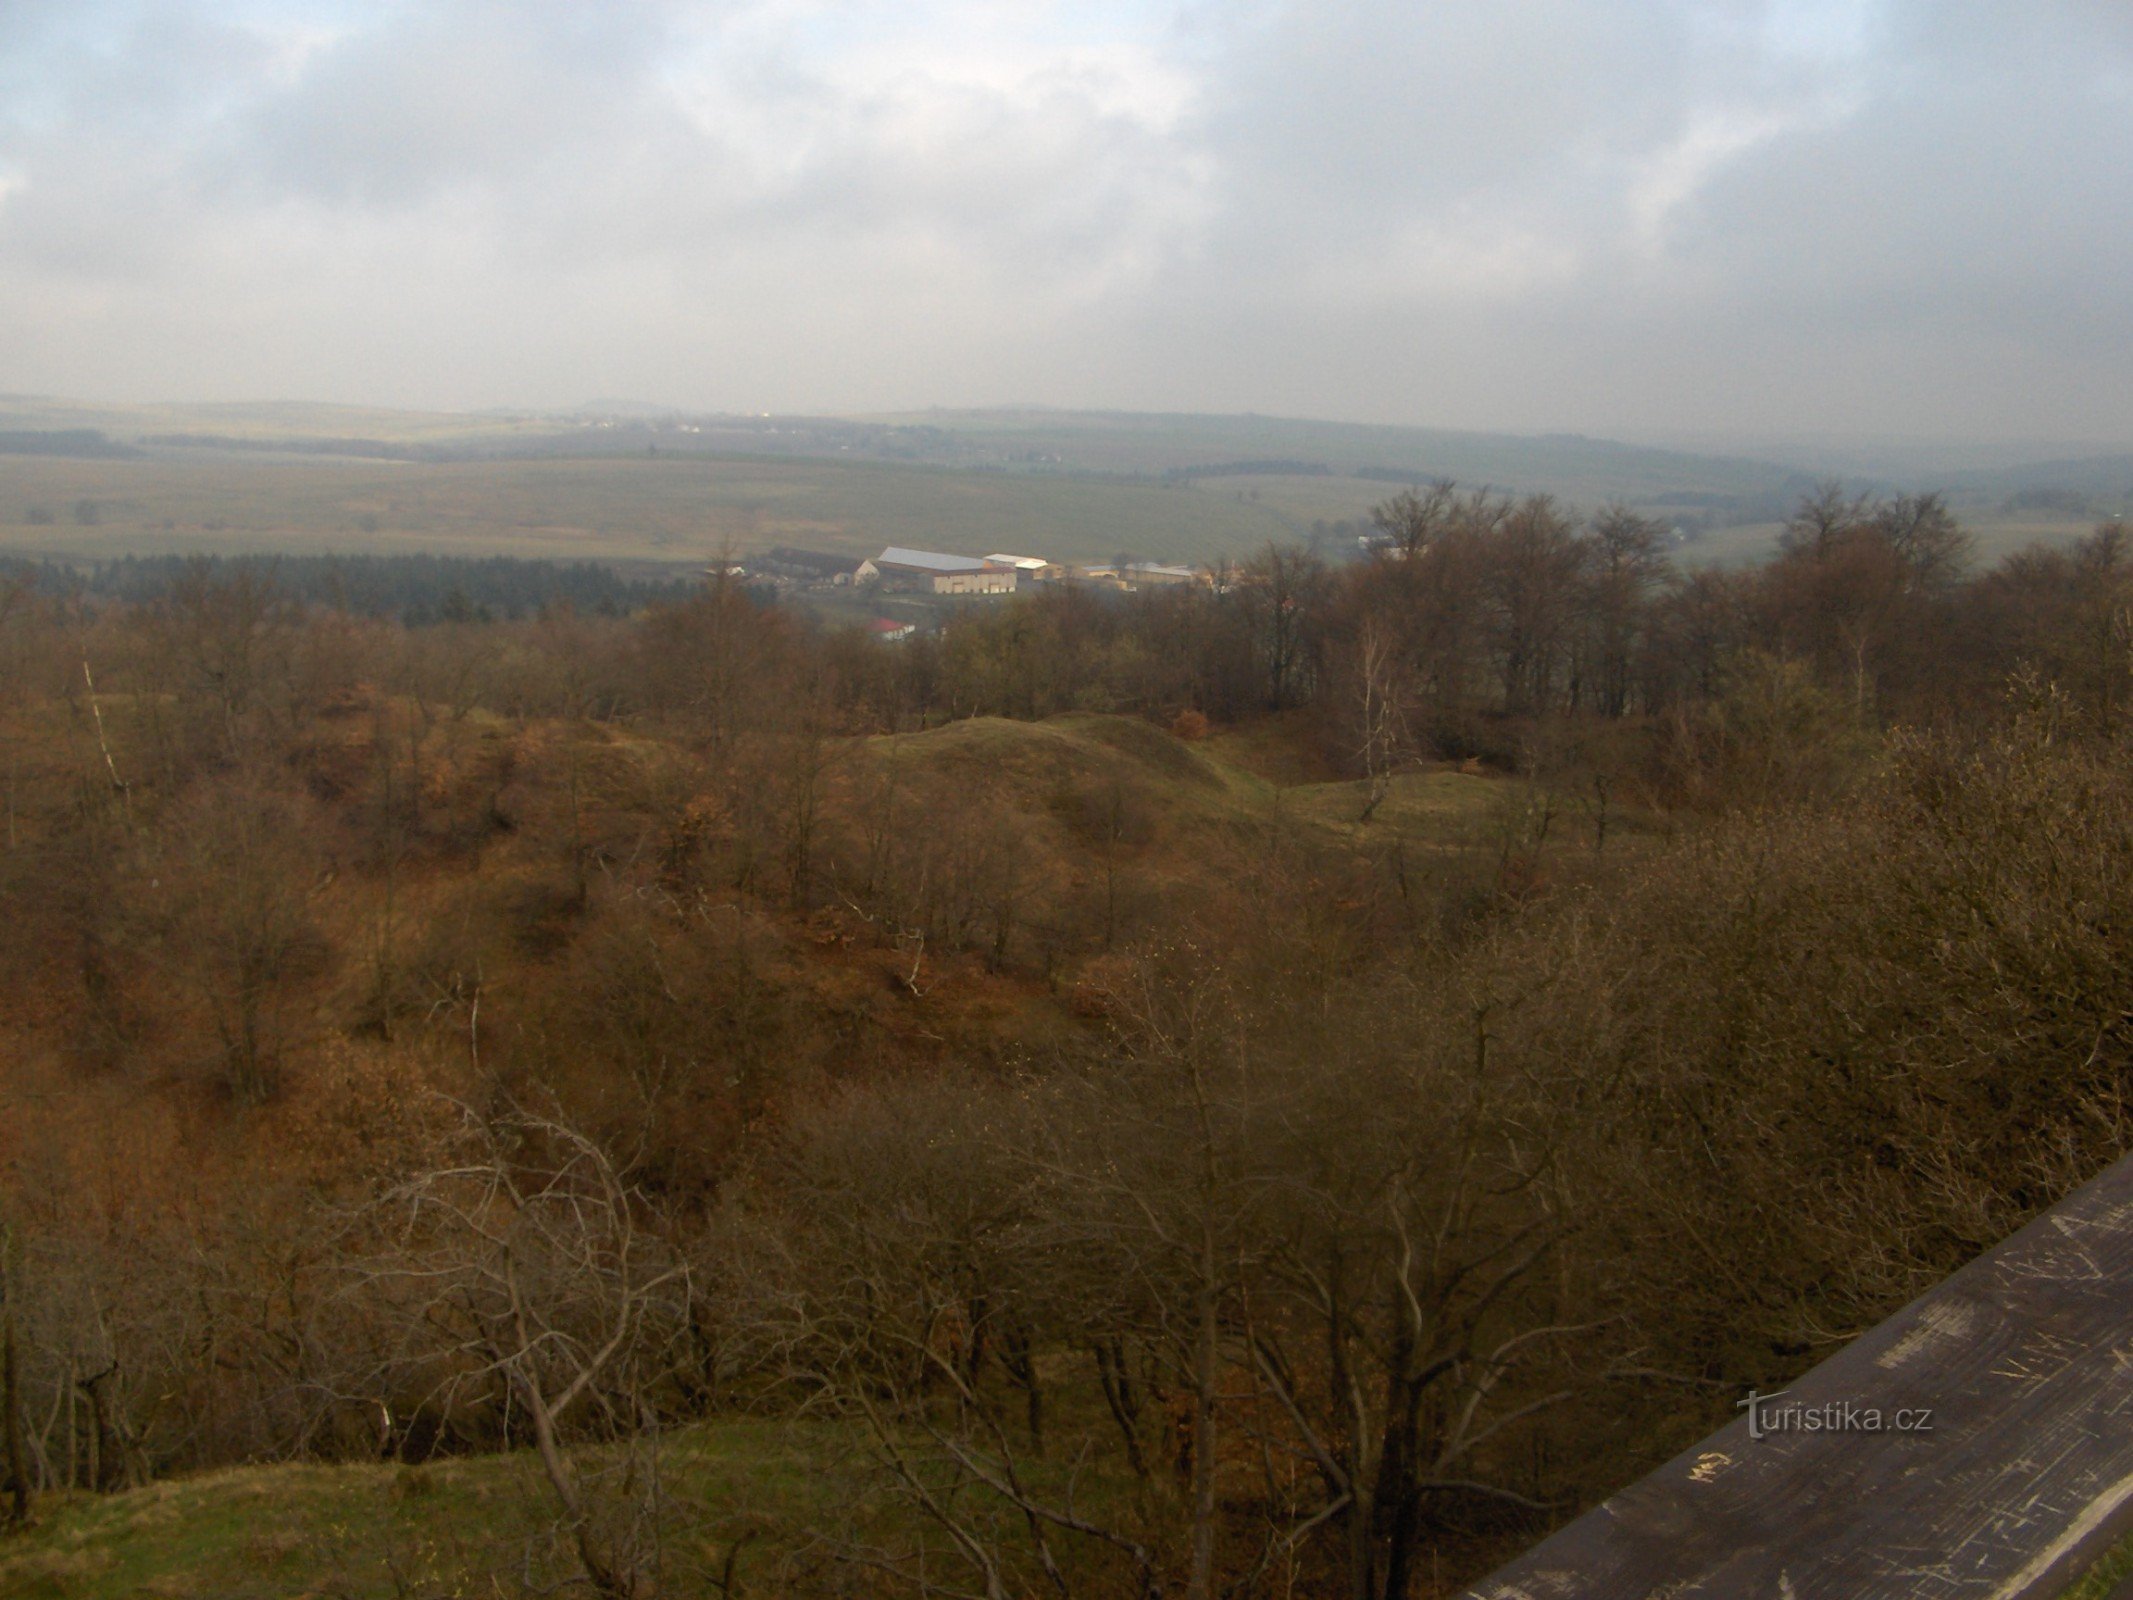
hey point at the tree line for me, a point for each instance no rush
(1477, 619)
(417, 589)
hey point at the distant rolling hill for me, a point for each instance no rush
(1190, 445)
(624, 481)
(2103, 484)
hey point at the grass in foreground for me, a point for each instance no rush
(2105, 1579)
(363, 1531)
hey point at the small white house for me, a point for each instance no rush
(1029, 566)
(1153, 572)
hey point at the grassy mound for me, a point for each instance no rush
(1227, 780)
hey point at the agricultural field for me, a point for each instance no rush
(646, 487)
(1995, 535)
(666, 509)
(259, 421)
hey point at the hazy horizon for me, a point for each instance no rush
(1835, 453)
(1740, 222)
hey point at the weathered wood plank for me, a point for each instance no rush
(2024, 1359)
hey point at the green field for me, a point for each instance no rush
(263, 420)
(1074, 486)
(664, 509)
(1996, 536)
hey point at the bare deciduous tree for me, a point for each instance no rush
(534, 1266)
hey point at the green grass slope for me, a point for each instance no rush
(1063, 778)
(380, 1530)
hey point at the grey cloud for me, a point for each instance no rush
(1761, 214)
(454, 97)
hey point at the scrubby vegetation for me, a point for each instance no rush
(1281, 1087)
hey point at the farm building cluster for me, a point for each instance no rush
(906, 578)
(898, 570)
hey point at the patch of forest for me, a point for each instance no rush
(417, 590)
(82, 442)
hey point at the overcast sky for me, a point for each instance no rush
(1912, 217)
